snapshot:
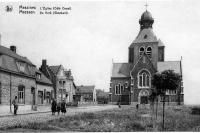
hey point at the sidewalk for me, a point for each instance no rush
(26, 109)
(23, 109)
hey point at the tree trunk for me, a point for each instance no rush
(156, 107)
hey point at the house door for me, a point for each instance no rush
(33, 95)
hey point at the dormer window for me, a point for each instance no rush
(149, 51)
(21, 66)
(38, 76)
(141, 51)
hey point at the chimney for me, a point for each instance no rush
(44, 63)
(13, 48)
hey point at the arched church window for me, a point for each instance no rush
(141, 51)
(144, 79)
(149, 51)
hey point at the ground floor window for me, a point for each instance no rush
(48, 97)
(21, 94)
(40, 97)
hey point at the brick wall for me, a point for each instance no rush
(28, 83)
(116, 81)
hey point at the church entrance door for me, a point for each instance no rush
(143, 97)
(144, 100)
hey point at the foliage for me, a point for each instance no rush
(126, 119)
(166, 80)
(195, 111)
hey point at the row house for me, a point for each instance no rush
(63, 82)
(20, 77)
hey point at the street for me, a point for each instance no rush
(41, 117)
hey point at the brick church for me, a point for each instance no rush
(131, 82)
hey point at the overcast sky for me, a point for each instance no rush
(93, 33)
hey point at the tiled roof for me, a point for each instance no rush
(8, 52)
(43, 78)
(54, 69)
(8, 62)
(169, 65)
(146, 35)
(85, 89)
(121, 69)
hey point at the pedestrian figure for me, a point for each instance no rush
(119, 104)
(58, 108)
(63, 107)
(15, 104)
(137, 106)
(53, 107)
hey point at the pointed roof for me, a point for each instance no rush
(146, 35)
(43, 79)
(55, 69)
(121, 70)
(169, 65)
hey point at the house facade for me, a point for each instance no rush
(44, 89)
(18, 78)
(86, 93)
(131, 81)
(62, 81)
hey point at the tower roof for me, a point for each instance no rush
(146, 16)
(146, 21)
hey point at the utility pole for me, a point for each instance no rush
(10, 94)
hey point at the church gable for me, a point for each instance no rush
(144, 62)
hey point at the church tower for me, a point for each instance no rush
(131, 81)
(146, 42)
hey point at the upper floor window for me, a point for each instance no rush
(132, 81)
(21, 66)
(141, 51)
(144, 79)
(118, 89)
(149, 51)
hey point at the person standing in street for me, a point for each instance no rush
(15, 104)
(63, 107)
(53, 107)
(58, 108)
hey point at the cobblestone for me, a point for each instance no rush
(12, 121)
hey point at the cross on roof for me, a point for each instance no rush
(146, 5)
